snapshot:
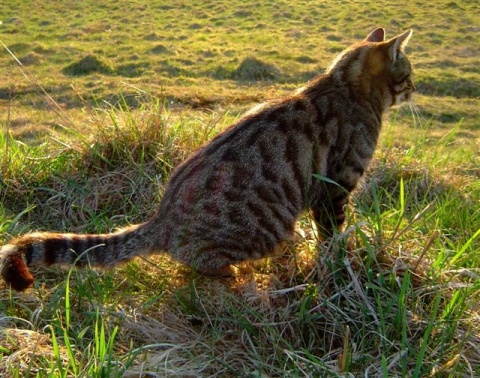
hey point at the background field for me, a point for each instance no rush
(110, 96)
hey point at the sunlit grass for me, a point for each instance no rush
(396, 294)
(404, 290)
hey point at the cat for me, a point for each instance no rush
(239, 196)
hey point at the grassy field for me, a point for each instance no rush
(100, 100)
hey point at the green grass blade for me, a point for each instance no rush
(462, 250)
(420, 356)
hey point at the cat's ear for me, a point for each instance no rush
(398, 44)
(377, 35)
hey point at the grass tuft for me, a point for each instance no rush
(31, 58)
(159, 48)
(253, 69)
(87, 65)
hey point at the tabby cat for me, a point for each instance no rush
(239, 196)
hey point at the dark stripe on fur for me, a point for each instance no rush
(262, 218)
(53, 246)
(28, 252)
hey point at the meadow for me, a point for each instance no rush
(100, 100)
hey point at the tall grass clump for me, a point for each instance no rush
(127, 155)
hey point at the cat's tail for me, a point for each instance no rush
(46, 248)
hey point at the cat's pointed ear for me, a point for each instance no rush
(398, 44)
(377, 35)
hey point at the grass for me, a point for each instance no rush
(395, 295)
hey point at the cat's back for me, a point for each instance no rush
(268, 136)
(247, 184)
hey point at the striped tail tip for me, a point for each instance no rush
(13, 268)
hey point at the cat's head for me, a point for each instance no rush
(377, 67)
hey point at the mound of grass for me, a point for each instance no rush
(88, 65)
(20, 47)
(152, 37)
(130, 155)
(159, 49)
(31, 59)
(253, 69)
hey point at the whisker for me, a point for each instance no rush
(418, 119)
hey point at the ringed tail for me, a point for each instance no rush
(79, 250)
